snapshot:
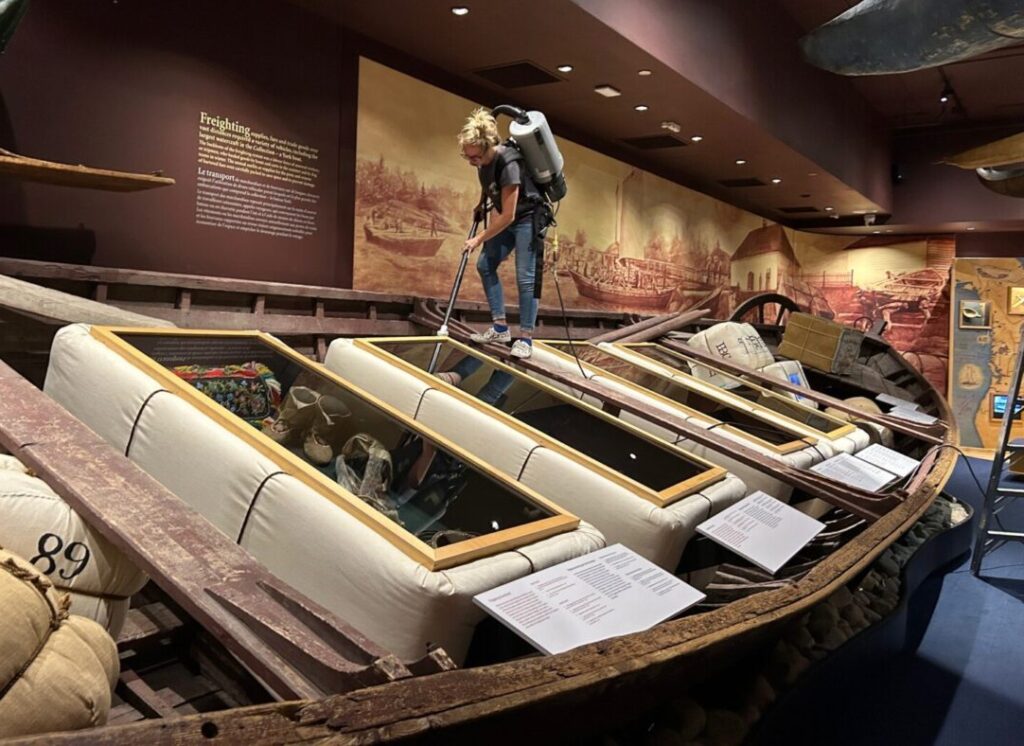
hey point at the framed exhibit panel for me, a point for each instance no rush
(625, 454)
(435, 502)
(975, 314)
(1015, 301)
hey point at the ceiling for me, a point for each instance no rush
(561, 32)
(987, 86)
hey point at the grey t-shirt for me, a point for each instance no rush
(511, 175)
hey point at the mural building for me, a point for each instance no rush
(626, 240)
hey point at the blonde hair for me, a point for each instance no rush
(480, 130)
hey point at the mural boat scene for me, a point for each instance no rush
(410, 245)
(281, 643)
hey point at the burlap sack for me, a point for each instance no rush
(884, 434)
(68, 685)
(735, 342)
(790, 371)
(56, 671)
(38, 525)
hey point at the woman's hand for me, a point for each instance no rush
(472, 244)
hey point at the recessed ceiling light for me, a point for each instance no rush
(565, 68)
(640, 107)
(776, 180)
(812, 173)
(460, 10)
(643, 73)
(671, 126)
(696, 138)
(829, 208)
(608, 91)
(740, 161)
(970, 227)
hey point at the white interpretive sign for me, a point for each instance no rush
(892, 461)
(611, 592)
(912, 415)
(854, 472)
(895, 401)
(761, 529)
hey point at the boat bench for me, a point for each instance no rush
(658, 533)
(302, 537)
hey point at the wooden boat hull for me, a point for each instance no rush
(620, 296)
(530, 698)
(407, 245)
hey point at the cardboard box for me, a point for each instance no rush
(820, 343)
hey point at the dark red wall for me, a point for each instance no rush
(121, 85)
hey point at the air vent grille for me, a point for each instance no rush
(747, 182)
(516, 75)
(654, 142)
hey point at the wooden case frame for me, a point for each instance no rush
(987, 309)
(661, 498)
(431, 558)
(797, 444)
(695, 384)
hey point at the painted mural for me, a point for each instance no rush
(986, 335)
(626, 240)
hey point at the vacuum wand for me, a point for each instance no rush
(443, 331)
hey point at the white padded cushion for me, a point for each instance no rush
(496, 442)
(370, 373)
(95, 384)
(316, 547)
(35, 521)
(737, 342)
(657, 533)
(202, 463)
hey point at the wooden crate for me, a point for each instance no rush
(820, 343)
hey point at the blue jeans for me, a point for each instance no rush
(496, 385)
(517, 237)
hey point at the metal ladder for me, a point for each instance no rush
(997, 497)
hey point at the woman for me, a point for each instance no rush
(510, 191)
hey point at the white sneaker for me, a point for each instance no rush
(491, 335)
(521, 349)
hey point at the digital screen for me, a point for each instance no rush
(999, 406)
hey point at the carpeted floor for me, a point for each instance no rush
(964, 683)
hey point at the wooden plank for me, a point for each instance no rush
(141, 696)
(31, 269)
(193, 562)
(64, 174)
(55, 307)
(146, 624)
(278, 324)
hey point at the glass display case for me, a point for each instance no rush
(811, 420)
(626, 454)
(436, 502)
(758, 424)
